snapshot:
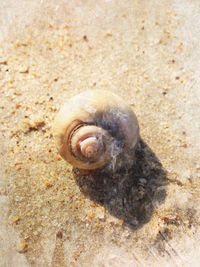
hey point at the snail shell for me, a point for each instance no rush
(95, 128)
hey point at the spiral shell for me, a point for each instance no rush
(95, 127)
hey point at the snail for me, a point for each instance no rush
(94, 129)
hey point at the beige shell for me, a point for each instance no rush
(94, 128)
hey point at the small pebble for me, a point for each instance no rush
(59, 234)
(143, 180)
(85, 38)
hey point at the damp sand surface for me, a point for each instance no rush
(146, 52)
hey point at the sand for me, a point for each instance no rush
(147, 52)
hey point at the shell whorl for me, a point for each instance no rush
(91, 148)
(90, 144)
(86, 146)
(93, 127)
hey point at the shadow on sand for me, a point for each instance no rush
(130, 194)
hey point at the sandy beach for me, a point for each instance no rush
(148, 53)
